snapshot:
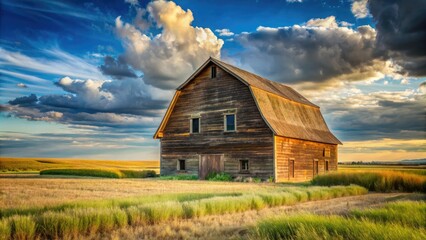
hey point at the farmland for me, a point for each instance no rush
(78, 207)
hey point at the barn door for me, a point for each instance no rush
(210, 163)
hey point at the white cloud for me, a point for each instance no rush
(359, 8)
(55, 61)
(224, 32)
(328, 22)
(294, 1)
(168, 58)
(21, 85)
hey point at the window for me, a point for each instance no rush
(213, 72)
(244, 165)
(230, 123)
(195, 125)
(326, 152)
(181, 165)
(326, 166)
(315, 167)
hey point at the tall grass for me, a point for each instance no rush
(112, 203)
(70, 222)
(382, 181)
(391, 222)
(411, 214)
(106, 173)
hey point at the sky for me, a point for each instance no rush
(92, 79)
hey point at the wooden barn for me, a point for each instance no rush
(225, 119)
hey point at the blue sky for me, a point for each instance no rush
(93, 79)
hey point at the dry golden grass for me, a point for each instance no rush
(8, 164)
(37, 191)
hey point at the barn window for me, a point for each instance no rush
(195, 125)
(244, 165)
(316, 167)
(326, 166)
(230, 123)
(181, 165)
(213, 72)
(291, 168)
(326, 152)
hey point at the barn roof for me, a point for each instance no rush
(285, 111)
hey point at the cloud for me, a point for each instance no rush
(359, 8)
(328, 22)
(116, 68)
(224, 32)
(55, 61)
(132, 2)
(294, 1)
(168, 58)
(24, 100)
(375, 115)
(401, 31)
(21, 85)
(318, 54)
(422, 87)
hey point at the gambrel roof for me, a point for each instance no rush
(284, 110)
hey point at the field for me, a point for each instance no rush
(419, 170)
(34, 165)
(77, 207)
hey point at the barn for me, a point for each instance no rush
(225, 119)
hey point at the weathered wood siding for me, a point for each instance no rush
(304, 153)
(211, 98)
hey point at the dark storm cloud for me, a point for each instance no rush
(401, 29)
(116, 68)
(25, 100)
(313, 53)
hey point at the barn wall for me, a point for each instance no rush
(211, 98)
(303, 153)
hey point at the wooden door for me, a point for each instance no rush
(315, 168)
(290, 169)
(209, 164)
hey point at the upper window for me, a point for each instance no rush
(230, 122)
(195, 125)
(213, 72)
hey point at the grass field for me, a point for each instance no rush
(402, 220)
(62, 203)
(34, 165)
(419, 170)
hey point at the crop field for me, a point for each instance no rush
(419, 170)
(35, 165)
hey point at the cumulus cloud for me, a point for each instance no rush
(401, 31)
(168, 58)
(329, 22)
(116, 68)
(359, 8)
(294, 1)
(132, 2)
(319, 52)
(224, 32)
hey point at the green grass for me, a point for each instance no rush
(68, 222)
(179, 177)
(383, 181)
(105, 173)
(219, 177)
(390, 222)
